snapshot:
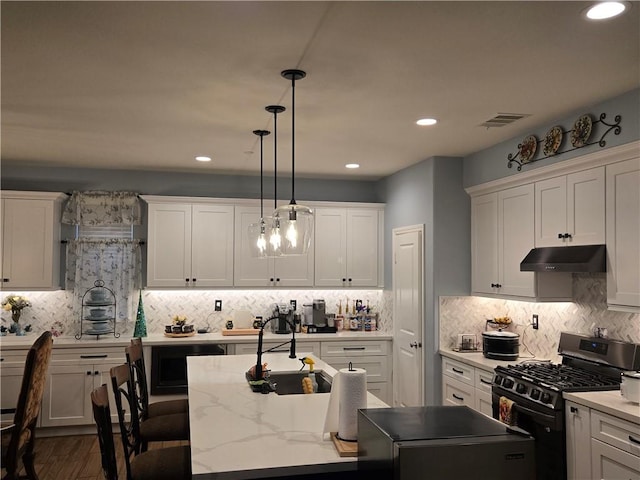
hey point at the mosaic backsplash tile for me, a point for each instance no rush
(54, 310)
(589, 310)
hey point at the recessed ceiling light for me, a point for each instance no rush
(202, 158)
(604, 10)
(352, 165)
(427, 121)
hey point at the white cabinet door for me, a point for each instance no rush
(578, 439)
(483, 403)
(550, 212)
(623, 233)
(212, 246)
(169, 245)
(362, 247)
(455, 392)
(611, 463)
(585, 207)
(65, 397)
(249, 271)
(515, 240)
(484, 243)
(11, 380)
(330, 247)
(30, 243)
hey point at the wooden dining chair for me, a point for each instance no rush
(172, 463)
(159, 421)
(18, 439)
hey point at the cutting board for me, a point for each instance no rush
(345, 449)
(241, 331)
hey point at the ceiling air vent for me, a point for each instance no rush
(502, 119)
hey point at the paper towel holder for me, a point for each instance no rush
(351, 369)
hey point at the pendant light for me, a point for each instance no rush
(258, 231)
(296, 220)
(275, 235)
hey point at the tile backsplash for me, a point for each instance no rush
(587, 311)
(54, 309)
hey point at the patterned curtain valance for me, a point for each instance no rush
(102, 208)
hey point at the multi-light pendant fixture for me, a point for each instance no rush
(295, 220)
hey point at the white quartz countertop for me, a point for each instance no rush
(477, 359)
(610, 402)
(9, 342)
(237, 433)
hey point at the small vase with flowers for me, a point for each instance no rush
(15, 304)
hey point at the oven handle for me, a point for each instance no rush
(533, 413)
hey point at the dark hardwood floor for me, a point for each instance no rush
(77, 457)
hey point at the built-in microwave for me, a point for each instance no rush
(169, 365)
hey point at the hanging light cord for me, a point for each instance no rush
(261, 134)
(293, 138)
(275, 159)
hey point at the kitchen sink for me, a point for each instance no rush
(290, 383)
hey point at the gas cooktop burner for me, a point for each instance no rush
(562, 377)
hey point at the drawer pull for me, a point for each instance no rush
(353, 348)
(94, 356)
(573, 409)
(460, 372)
(482, 380)
(457, 397)
(634, 439)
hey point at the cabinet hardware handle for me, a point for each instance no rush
(634, 439)
(1, 359)
(560, 235)
(94, 356)
(573, 409)
(568, 235)
(353, 348)
(482, 380)
(5, 280)
(457, 371)
(271, 279)
(277, 279)
(457, 397)
(96, 372)
(413, 344)
(344, 279)
(186, 280)
(350, 279)
(88, 373)
(193, 279)
(499, 285)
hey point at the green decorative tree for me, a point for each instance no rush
(140, 329)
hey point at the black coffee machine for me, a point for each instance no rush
(284, 318)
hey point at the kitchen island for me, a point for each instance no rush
(239, 434)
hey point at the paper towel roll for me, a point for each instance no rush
(352, 396)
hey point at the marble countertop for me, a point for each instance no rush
(236, 433)
(610, 402)
(477, 359)
(9, 342)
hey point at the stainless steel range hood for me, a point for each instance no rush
(580, 258)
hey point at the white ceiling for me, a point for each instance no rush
(149, 85)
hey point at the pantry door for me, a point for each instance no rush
(408, 299)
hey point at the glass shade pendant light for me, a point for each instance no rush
(274, 223)
(258, 231)
(296, 220)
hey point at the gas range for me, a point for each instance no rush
(588, 364)
(543, 382)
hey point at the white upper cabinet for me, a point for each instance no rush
(190, 245)
(289, 271)
(31, 240)
(501, 236)
(623, 234)
(569, 210)
(347, 247)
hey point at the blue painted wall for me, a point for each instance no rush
(491, 164)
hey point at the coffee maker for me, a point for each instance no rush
(315, 318)
(283, 320)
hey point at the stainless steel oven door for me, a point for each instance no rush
(547, 428)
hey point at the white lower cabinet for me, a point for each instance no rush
(11, 379)
(464, 384)
(73, 374)
(301, 347)
(600, 446)
(372, 355)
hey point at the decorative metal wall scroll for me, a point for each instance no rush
(579, 137)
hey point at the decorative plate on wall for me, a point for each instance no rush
(528, 148)
(552, 141)
(581, 131)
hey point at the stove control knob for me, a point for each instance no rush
(535, 394)
(507, 383)
(546, 398)
(521, 388)
(497, 380)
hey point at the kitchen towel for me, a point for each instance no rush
(348, 394)
(507, 411)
